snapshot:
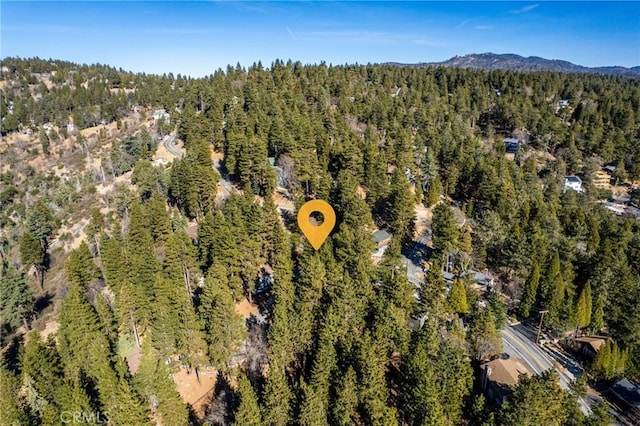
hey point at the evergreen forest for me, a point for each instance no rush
(340, 336)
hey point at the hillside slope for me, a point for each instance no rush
(512, 62)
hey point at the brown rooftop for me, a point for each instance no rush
(506, 371)
(595, 342)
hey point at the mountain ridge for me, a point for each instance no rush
(513, 62)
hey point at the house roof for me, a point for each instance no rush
(595, 342)
(511, 140)
(381, 235)
(478, 277)
(448, 276)
(573, 179)
(506, 371)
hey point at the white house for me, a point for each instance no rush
(573, 182)
(160, 114)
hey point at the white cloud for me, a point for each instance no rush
(525, 9)
(463, 23)
(291, 33)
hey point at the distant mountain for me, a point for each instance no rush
(494, 61)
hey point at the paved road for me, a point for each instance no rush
(224, 182)
(169, 143)
(415, 257)
(518, 341)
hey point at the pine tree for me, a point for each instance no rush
(554, 289)
(432, 295)
(176, 329)
(42, 364)
(374, 392)
(420, 399)
(126, 408)
(143, 263)
(444, 230)
(455, 379)
(530, 291)
(281, 332)
(153, 382)
(557, 298)
(44, 142)
(277, 397)
(537, 400)
(482, 334)
(159, 221)
(584, 307)
(597, 319)
(247, 412)
(33, 254)
(314, 408)
(206, 240)
(553, 270)
(458, 297)
(17, 298)
(344, 408)
(115, 265)
(80, 267)
(84, 347)
(146, 178)
(224, 328)
(307, 305)
(434, 191)
(401, 207)
(13, 409)
(498, 309)
(610, 362)
(96, 227)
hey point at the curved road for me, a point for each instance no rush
(169, 142)
(517, 342)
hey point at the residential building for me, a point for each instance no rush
(563, 103)
(573, 182)
(479, 278)
(511, 145)
(588, 346)
(381, 238)
(499, 376)
(160, 114)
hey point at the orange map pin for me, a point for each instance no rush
(316, 234)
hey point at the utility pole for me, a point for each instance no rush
(540, 325)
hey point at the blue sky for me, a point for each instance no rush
(196, 38)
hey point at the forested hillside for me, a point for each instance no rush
(152, 286)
